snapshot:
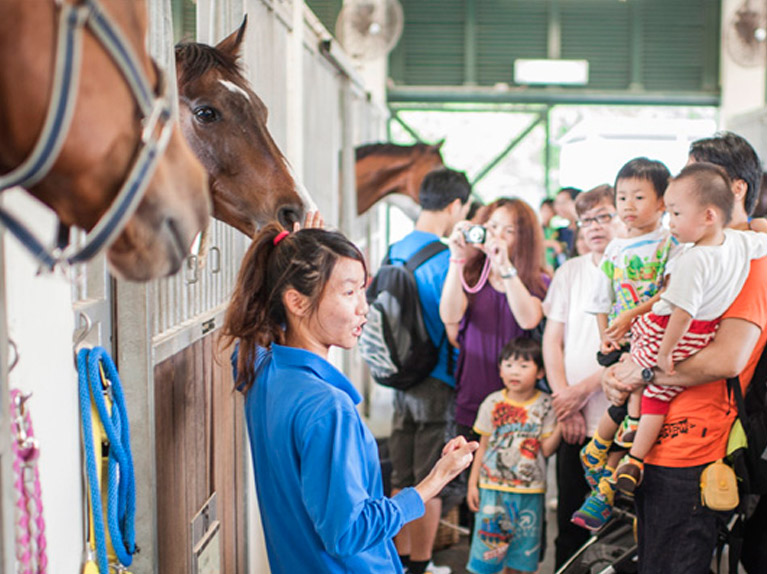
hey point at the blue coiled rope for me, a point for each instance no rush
(121, 494)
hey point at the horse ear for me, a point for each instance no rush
(231, 44)
(437, 146)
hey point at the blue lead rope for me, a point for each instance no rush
(121, 493)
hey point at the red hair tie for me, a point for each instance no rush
(280, 236)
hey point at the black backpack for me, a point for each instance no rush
(750, 464)
(395, 343)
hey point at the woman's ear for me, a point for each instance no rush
(295, 303)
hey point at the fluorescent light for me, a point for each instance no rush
(562, 72)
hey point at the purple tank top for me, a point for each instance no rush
(485, 328)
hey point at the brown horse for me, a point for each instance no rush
(384, 168)
(105, 136)
(225, 123)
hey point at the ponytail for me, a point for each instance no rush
(274, 262)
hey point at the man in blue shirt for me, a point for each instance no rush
(421, 413)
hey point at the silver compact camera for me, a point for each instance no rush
(475, 234)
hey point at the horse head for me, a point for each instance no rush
(384, 168)
(104, 136)
(225, 123)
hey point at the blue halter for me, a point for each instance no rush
(156, 115)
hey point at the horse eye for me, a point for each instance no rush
(206, 114)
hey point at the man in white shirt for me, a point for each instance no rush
(570, 345)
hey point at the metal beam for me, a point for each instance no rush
(548, 96)
(416, 136)
(512, 144)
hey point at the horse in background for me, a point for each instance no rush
(84, 169)
(225, 123)
(386, 168)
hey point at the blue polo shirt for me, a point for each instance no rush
(430, 278)
(317, 471)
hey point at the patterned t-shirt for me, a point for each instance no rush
(633, 271)
(513, 461)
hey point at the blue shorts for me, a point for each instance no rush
(507, 532)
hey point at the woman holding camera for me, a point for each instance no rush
(493, 293)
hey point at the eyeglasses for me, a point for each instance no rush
(602, 219)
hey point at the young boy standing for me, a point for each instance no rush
(634, 269)
(507, 483)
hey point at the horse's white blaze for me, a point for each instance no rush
(302, 192)
(232, 87)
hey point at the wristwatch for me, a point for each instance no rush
(508, 273)
(648, 375)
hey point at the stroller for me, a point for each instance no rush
(611, 550)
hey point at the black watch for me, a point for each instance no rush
(648, 375)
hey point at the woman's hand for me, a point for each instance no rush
(313, 220)
(498, 253)
(472, 498)
(456, 456)
(457, 241)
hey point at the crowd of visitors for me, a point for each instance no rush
(634, 314)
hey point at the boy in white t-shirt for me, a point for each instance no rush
(633, 271)
(706, 280)
(570, 345)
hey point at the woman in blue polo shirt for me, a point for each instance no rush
(316, 464)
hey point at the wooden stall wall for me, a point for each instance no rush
(199, 447)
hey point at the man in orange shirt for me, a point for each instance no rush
(677, 535)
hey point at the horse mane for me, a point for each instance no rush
(196, 59)
(387, 149)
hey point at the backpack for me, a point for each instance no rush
(395, 343)
(750, 463)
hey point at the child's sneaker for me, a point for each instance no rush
(432, 568)
(629, 475)
(593, 513)
(624, 437)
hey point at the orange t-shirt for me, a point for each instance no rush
(699, 419)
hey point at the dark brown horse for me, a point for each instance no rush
(385, 168)
(105, 137)
(225, 123)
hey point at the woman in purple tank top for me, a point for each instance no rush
(492, 293)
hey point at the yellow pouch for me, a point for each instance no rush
(718, 487)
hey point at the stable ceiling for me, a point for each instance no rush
(638, 48)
